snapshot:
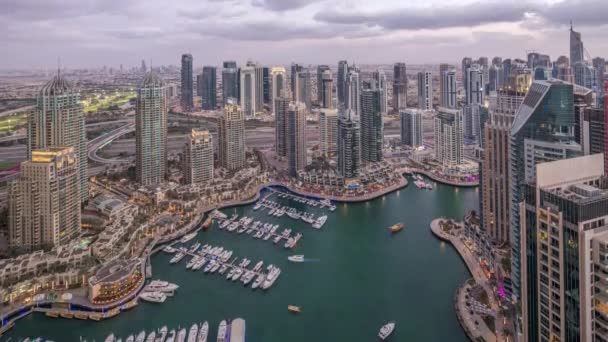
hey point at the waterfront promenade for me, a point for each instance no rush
(442, 180)
(473, 330)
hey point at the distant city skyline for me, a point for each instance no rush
(95, 33)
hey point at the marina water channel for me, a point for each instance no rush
(356, 278)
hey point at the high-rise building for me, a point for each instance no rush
(266, 84)
(448, 136)
(303, 88)
(232, 137)
(151, 130)
(465, 65)
(349, 144)
(248, 91)
(600, 68)
(326, 90)
(495, 78)
(281, 105)
(58, 120)
(341, 82)
(328, 131)
(352, 91)
(379, 82)
(295, 69)
(187, 83)
(425, 90)
(44, 201)
(143, 67)
(564, 217)
(198, 157)
(278, 86)
(585, 75)
(606, 125)
(372, 128)
(542, 130)
(258, 81)
(399, 87)
(230, 82)
(208, 88)
(495, 200)
(475, 85)
(296, 138)
(577, 50)
(593, 131)
(411, 127)
(320, 70)
(448, 87)
(199, 86)
(473, 120)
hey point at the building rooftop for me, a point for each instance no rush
(152, 80)
(114, 270)
(583, 193)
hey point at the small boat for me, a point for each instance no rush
(221, 331)
(193, 334)
(203, 332)
(151, 337)
(110, 338)
(154, 297)
(188, 237)
(386, 330)
(293, 308)
(131, 338)
(181, 336)
(258, 281)
(396, 227)
(141, 337)
(296, 258)
(171, 337)
(162, 334)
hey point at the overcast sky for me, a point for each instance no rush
(87, 33)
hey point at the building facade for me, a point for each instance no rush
(151, 130)
(198, 157)
(425, 90)
(328, 131)
(296, 138)
(352, 91)
(448, 88)
(399, 87)
(44, 202)
(326, 90)
(448, 137)
(411, 127)
(230, 82)
(232, 137)
(341, 81)
(209, 88)
(349, 144)
(372, 128)
(248, 91)
(281, 105)
(58, 120)
(474, 87)
(278, 86)
(320, 70)
(187, 95)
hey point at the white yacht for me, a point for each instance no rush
(272, 276)
(141, 337)
(181, 336)
(193, 333)
(154, 297)
(258, 266)
(221, 331)
(386, 330)
(188, 237)
(151, 337)
(161, 285)
(110, 338)
(131, 338)
(203, 332)
(296, 258)
(177, 257)
(169, 249)
(237, 274)
(320, 222)
(171, 337)
(192, 262)
(162, 334)
(258, 281)
(288, 243)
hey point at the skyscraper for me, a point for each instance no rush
(564, 218)
(187, 84)
(326, 90)
(448, 88)
(495, 80)
(577, 50)
(411, 127)
(266, 84)
(380, 83)
(341, 81)
(495, 167)
(248, 91)
(372, 129)
(259, 86)
(320, 70)
(352, 91)
(425, 90)
(349, 144)
(232, 137)
(304, 87)
(475, 85)
(465, 65)
(278, 86)
(593, 131)
(600, 68)
(542, 130)
(44, 202)
(58, 120)
(198, 157)
(399, 87)
(295, 69)
(151, 130)
(585, 75)
(281, 105)
(328, 131)
(448, 137)
(296, 138)
(208, 88)
(230, 82)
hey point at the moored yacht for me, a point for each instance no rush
(193, 333)
(221, 331)
(154, 297)
(161, 285)
(386, 330)
(320, 222)
(162, 334)
(171, 337)
(272, 276)
(181, 336)
(203, 332)
(151, 337)
(188, 237)
(141, 337)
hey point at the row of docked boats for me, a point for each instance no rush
(420, 183)
(157, 291)
(260, 230)
(314, 203)
(197, 333)
(275, 209)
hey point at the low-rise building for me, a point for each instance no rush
(115, 281)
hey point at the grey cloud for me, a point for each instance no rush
(431, 18)
(282, 5)
(58, 9)
(582, 13)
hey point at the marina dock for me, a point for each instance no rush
(260, 230)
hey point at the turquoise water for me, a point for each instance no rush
(363, 277)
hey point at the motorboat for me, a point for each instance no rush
(386, 330)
